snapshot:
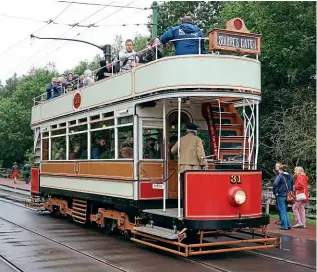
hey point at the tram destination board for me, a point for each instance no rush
(223, 40)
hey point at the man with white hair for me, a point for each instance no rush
(192, 153)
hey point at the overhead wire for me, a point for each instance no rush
(38, 30)
(122, 7)
(46, 45)
(100, 4)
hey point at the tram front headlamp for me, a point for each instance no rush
(236, 196)
(240, 197)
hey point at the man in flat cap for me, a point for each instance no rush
(149, 151)
(191, 150)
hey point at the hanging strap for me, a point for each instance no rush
(285, 183)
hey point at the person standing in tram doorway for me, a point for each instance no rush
(191, 150)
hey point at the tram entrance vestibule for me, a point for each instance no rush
(172, 159)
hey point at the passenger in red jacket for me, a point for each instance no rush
(301, 191)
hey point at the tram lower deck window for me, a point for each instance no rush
(125, 142)
(102, 144)
(152, 143)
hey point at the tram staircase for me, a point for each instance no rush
(232, 135)
(37, 150)
(231, 154)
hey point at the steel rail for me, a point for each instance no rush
(188, 259)
(10, 264)
(67, 246)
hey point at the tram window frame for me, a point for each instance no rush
(92, 130)
(51, 146)
(68, 144)
(118, 127)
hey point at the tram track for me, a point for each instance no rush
(212, 263)
(10, 264)
(107, 263)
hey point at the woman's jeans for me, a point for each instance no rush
(282, 204)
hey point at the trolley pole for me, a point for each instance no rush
(154, 19)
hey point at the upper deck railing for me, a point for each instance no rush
(155, 48)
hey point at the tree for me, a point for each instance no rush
(117, 45)
(288, 53)
(15, 133)
(140, 42)
(10, 86)
(205, 14)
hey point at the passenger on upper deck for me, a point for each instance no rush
(152, 53)
(185, 31)
(69, 83)
(88, 78)
(52, 90)
(127, 56)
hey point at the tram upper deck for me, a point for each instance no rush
(209, 75)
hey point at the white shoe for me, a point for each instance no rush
(298, 225)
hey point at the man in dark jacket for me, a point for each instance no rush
(282, 184)
(26, 172)
(188, 31)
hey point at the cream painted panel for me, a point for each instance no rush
(201, 71)
(99, 187)
(36, 114)
(108, 90)
(102, 92)
(57, 106)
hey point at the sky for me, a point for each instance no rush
(19, 53)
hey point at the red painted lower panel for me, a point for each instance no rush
(35, 183)
(206, 195)
(146, 190)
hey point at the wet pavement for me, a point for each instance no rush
(298, 247)
(120, 252)
(19, 185)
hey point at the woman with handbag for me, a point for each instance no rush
(301, 192)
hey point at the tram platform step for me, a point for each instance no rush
(158, 231)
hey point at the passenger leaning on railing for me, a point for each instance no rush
(127, 56)
(190, 33)
(69, 84)
(52, 90)
(152, 52)
(88, 78)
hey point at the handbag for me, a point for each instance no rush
(301, 196)
(291, 198)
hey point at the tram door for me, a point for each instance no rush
(172, 131)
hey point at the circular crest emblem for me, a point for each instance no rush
(77, 100)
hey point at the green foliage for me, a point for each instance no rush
(288, 60)
(140, 42)
(204, 13)
(15, 133)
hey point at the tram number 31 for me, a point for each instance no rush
(235, 180)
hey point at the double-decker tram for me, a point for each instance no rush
(104, 151)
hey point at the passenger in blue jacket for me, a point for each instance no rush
(282, 184)
(185, 30)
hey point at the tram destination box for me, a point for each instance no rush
(235, 38)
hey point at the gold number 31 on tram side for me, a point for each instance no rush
(235, 179)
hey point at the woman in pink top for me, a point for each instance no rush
(301, 191)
